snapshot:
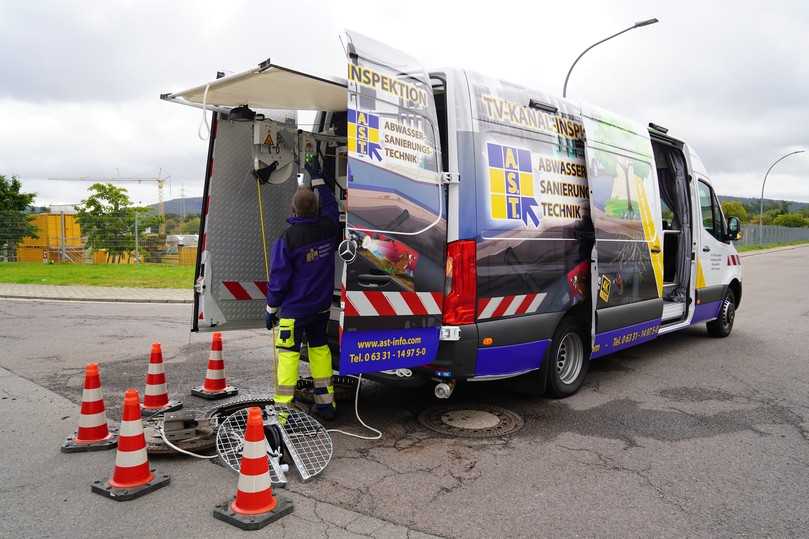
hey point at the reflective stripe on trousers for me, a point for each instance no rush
(319, 366)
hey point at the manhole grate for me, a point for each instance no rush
(471, 420)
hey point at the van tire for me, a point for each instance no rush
(571, 343)
(722, 326)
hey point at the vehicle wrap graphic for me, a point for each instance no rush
(373, 351)
(706, 311)
(511, 359)
(621, 338)
(625, 211)
(511, 185)
(534, 230)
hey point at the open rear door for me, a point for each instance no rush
(241, 219)
(625, 208)
(396, 234)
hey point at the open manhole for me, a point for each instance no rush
(471, 420)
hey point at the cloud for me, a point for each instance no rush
(730, 78)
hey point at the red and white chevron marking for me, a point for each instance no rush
(362, 303)
(245, 290)
(509, 305)
(734, 260)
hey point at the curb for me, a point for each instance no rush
(101, 300)
(773, 250)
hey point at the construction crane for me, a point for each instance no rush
(159, 180)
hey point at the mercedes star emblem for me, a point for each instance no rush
(347, 251)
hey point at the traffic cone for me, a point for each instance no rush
(215, 385)
(156, 394)
(254, 505)
(132, 477)
(93, 434)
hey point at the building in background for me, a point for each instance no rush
(59, 237)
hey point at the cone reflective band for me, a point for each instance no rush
(156, 395)
(254, 506)
(132, 476)
(93, 433)
(215, 385)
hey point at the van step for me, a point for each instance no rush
(672, 310)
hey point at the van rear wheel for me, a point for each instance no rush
(568, 359)
(722, 326)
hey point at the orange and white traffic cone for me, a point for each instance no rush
(93, 434)
(156, 394)
(215, 385)
(254, 506)
(132, 477)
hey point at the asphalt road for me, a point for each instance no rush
(687, 435)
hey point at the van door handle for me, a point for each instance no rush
(656, 249)
(706, 249)
(371, 280)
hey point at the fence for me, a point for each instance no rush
(771, 234)
(118, 239)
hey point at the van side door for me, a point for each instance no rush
(716, 257)
(625, 208)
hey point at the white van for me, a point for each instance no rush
(489, 230)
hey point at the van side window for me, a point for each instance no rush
(710, 211)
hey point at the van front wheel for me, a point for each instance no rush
(722, 326)
(568, 359)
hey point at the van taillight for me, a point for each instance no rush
(461, 283)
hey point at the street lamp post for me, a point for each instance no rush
(761, 200)
(638, 24)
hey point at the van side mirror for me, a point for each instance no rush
(734, 228)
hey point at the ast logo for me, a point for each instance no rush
(511, 185)
(363, 134)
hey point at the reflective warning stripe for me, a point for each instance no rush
(130, 428)
(128, 459)
(245, 290)
(217, 374)
(734, 260)
(254, 450)
(375, 303)
(155, 389)
(92, 420)
(91, 395)
(509, 305)
(254, 483)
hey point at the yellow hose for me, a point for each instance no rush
(263, 236)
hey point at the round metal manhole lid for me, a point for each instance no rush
(471, 420)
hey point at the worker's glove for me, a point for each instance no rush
(271, 317)
(312, 166)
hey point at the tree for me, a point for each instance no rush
(15, 223)
(734, 209)
(794, 220)
(190, 225)
(107, 219)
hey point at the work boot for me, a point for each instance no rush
(326, 412)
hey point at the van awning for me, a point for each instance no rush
(267, 86)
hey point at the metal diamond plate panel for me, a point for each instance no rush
(234, 233)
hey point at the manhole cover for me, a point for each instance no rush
(471, 420)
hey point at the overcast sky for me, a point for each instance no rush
(81, 79)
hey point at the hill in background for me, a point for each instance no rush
(751, 202)
(192, 205)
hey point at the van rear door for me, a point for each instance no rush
(625, 208)
(240, 220)
(396, 232)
